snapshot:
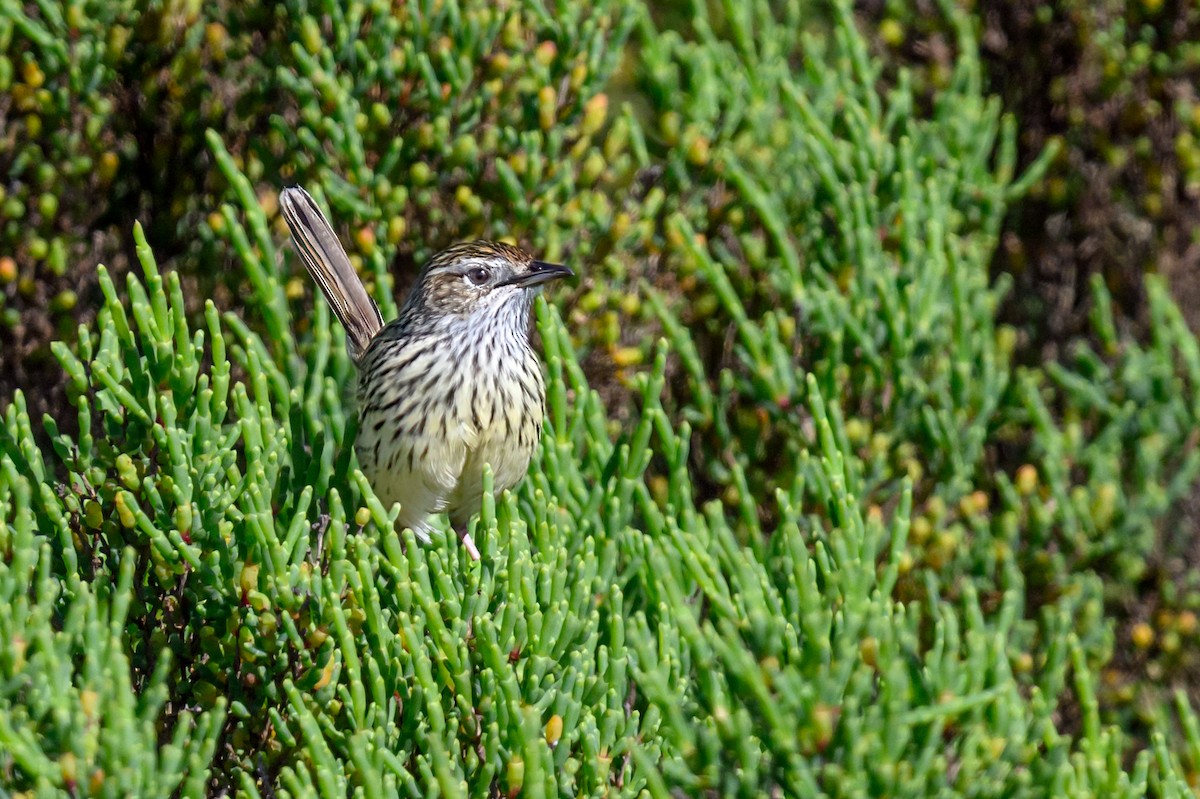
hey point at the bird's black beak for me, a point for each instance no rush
(539, 272)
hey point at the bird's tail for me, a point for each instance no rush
(329, 265)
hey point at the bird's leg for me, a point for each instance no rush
(465, 536)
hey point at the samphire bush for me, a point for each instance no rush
(817, 536)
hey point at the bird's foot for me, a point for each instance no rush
(468, 542)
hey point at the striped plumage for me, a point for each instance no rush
(451, 384)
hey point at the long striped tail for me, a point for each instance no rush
(329, 265)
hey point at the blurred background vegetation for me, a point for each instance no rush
(1113, 84)
(925, 414)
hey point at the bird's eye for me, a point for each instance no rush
(479, 275)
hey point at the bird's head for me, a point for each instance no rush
(480, 279)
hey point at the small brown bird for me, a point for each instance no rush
(451, 384)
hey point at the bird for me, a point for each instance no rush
(453, 383)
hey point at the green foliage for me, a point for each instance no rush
(1128, 421)
(59, 146)
(76, 715)
(856, 248)
(1110, 82)
(849, 237)
(838, 545)
(475, 116)
(418, 120)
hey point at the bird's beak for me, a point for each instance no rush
(539, 272)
